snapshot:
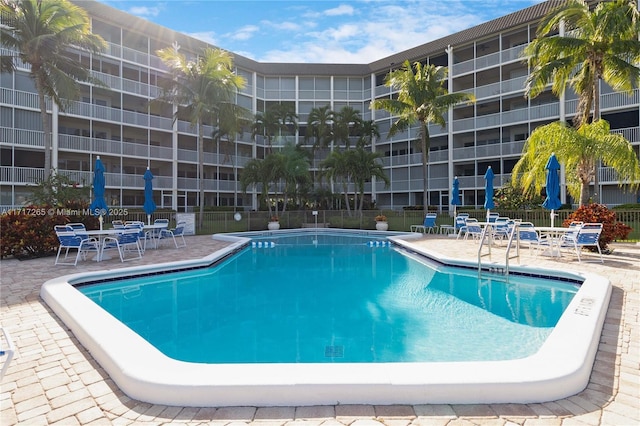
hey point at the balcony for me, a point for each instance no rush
(500, 87)
(21, 137)
(20, 98)
(113, 147)
(492, 59)
(20, 175)
(632, 134)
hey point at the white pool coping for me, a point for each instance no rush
(560, 368)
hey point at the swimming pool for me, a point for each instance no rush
(335, 298)
(561, 367)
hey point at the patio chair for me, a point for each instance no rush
(493, 217)
(76, 226)
(6, 349)
(587, 235)
(117, 224)
(460, 223)
(501, 228)
(527, 235)
(141, 233)
(70, 240)
(473, 229)
(126, 242)
(429, 224)
(178, 231)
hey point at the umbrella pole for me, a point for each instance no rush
(148, 219)
(100, 220)
(553, 215)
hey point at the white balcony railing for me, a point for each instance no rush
(21, 137)
(23, 175)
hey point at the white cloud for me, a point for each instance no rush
(243, 33)
(341, 10)
(144, 11)
(386, 28)
(343, 32)
(206, 36)
(286, 25)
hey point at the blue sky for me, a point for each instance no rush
(320, 31)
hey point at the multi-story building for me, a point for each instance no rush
(121, 124)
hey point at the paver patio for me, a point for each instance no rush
(54, 380)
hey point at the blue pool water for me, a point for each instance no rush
(335, 298)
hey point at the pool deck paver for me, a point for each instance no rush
(53, 380)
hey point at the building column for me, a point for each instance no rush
(174, 163)
(55, 143)
(450, 171)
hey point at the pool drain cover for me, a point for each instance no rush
(334, 351)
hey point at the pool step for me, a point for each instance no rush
(379, 244)
(265, 244)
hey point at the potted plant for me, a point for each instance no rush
(274, 223)
(381, 223)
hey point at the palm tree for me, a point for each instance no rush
(275, 121)
(294, 171)
(367, 131)
(232, 119)
(258, 174)
(347, 123)
(287, 119)
(336, 168)
(40, 33)
(598, 44)
(320, 123)
(366, 166)
(200, 88)
(578, 150)
(422, 98)
(265, 124)
(287, 169)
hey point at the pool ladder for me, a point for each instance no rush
(487, 238)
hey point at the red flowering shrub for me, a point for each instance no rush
(599, 213)
(28, 232)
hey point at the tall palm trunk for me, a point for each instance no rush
(346, 197)
(596, 166)
(424, 136)
(201, 172)
(46, 127)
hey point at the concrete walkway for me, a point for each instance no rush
(54, 380)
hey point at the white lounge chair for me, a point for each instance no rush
(473, 229)
(126, 242)
(70, 240)
(527, 235)
(429, 224)
(587, 235)
(178, 231)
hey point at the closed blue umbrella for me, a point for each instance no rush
(149, 205)
(455, 195)
(488, 191)
(99, 205)
(552, 201)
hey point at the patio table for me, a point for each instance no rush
(155, 231)
(101, 234)
(554, 234)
